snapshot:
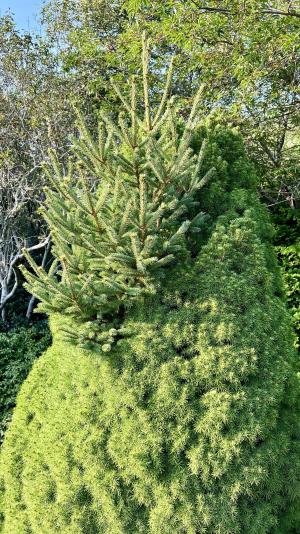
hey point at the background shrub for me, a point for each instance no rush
(19, 347)
(287, 241)
(289, 258)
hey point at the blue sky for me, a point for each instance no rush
(25, 11)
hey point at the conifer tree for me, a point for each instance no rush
(121, 213)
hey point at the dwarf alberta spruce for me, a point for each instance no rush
(191, 425)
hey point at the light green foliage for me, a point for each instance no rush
(121, 214)
(191, 425)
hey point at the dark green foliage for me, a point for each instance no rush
(290, 262)
(287, 224)
(19, 347)
(191, 425)
(225, 151)
(287, 240)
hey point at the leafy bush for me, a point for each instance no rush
(289, 258)
(287, 225)
(191, 424)
(19, 347)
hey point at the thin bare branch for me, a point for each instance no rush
(13, 270)
(290, 13)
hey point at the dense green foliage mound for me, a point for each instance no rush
(19, 347)
(191, 425)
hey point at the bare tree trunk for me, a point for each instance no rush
(12, 270)
(4, 293)
(30, 308)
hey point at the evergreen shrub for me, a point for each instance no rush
(191, 425)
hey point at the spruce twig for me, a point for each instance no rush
(145, 60)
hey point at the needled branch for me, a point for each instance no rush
(145, 81)
(32, 300)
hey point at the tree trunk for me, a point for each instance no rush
(4, 293)
(30, 308)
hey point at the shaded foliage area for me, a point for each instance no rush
(19, 347)
(287, 240)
